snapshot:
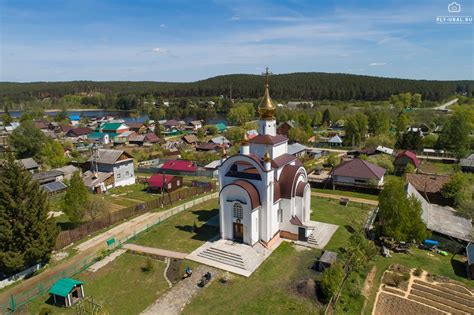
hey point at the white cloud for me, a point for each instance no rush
(162, 25)
(235, 18)
(377, 64)
(159, 50)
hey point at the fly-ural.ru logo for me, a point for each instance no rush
(455, 17)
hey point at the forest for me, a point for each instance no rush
(284, 87)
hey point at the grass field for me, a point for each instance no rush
(437, 167)
(177, 233)
(121, 287)
(346, 193)
(270, 290)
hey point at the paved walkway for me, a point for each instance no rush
(104, 262)
(175, 299)
(92, 246)
(353, 199)
(155, 251)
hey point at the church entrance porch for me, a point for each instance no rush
(238, 231)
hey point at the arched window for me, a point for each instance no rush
(238, 211)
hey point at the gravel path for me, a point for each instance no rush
(174, 301)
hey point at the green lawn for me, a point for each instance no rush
(121, 287)
(346, 193)
(177, 233)
(270, 290)
(136, 191)
(437, 167)
(330, 211)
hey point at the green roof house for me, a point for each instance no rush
(113, 127)
(221, 127)
(67, 292)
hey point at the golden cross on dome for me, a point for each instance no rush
(267, 73)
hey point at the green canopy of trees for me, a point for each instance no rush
(399, 216)
(76, 199)
(27, 235)
(356, 128)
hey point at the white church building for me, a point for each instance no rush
(264, 191)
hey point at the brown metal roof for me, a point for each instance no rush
(358, 168)
(267, 139)
(287, 181)
(283, 160)
(300, 189)
(250, 189)
(428, 183)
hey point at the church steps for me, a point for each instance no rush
(221, 259)
(224, 252)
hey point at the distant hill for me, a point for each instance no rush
(294, 86)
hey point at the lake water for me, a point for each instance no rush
(127, 116)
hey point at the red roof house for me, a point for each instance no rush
(157, 182)
(402, 160)
(179, 166)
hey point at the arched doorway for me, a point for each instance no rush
(238, 227)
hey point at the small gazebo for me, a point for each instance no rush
(67, 292)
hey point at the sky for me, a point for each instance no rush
(177, 40)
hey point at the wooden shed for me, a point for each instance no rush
(168, 183)
(67, 292)
(326, 260)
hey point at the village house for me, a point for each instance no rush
(123, 137)
(220, 140)
(138, 127)
(48, 176)
(117, 162)
(429, 186)
(98, 182)
(206, 147)
(195, 125)
(190, 139)
(178, 167)
(79, 133)
(284, 127)
(112, 128)
(358, 173)
(30, 165)
(161, 182)
(467, 164)
(171, 124)
(221, 127)
(403, 159)
(68, 171)
(297, 149)
(144, 140)
(99, 137)
(74, 119)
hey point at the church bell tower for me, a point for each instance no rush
(266, 109)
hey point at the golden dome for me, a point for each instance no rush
(266, 107)
(266, 157)
(245, 139)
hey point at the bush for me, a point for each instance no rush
(45, 311)
(149, 266)
(418, 271)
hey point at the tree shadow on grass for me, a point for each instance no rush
(205, 215)
(202, 233)
(349, 228)
(459, 268)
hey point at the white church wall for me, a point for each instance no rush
(254, 218)
(279, 150)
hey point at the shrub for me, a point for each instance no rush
(45, 311)
(149, 266)
(418, 271)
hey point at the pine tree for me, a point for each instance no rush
(76, 199)
(27, 235)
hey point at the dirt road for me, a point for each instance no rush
(353, 199)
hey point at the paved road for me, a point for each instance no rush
(445, 106)
(94, 245)
(353, 199)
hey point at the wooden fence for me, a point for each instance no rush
(68, 237)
